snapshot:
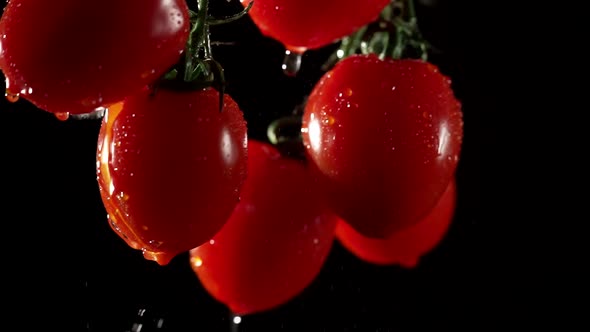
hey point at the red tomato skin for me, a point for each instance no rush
(408, 245)
(75, 56)
(170, 167)
(384, 139)
(276, 241)
(310, 24)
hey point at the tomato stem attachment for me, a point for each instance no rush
(395, 34)
(197, 69)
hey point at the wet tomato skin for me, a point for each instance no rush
(170, 168)
(276, 241)
(309, 24)
(75, 56)
(407, 246)
(384, 138)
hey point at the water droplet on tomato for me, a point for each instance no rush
(196, 261)
(155, 244)
(62, 116)
(114, 225)
(11, 97)
(123, 197)
(292, 62)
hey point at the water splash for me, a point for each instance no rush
(292, 62)
(146, 321)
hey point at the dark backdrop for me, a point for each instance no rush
(65, 269)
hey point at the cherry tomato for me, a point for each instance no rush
(170, 167)
(383, 137)
(75, 56)
(408, 245)
(276, 240)
(310, 24)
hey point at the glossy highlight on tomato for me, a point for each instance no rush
(76, 56)
(310, 24)
(275, 242)
(407, 246)
(170, 167)
(384, 138)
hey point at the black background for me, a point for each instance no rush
(65, 269)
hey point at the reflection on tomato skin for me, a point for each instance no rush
(408, 245)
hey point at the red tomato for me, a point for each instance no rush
(384, 139)
(75, 56)
(275, 242)
(408, 245)
(170, 167)
(309, 24)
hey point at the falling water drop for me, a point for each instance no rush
(292, 62)
(62, 116)
(235, 321)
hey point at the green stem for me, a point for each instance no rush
(201, 23)
(285, 134)
(185, 71)
(198, 38)
(387, 13)
(395, 35)
(284, 129)
(411, 10)
(407, 33)
(197, 69)
(232, 18)
(207, 52)
(348, 46)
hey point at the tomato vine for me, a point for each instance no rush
(394, 35)
(197, 69)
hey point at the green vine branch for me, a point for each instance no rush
(394, 35)
(197, 69)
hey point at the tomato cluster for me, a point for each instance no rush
(381, 138)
